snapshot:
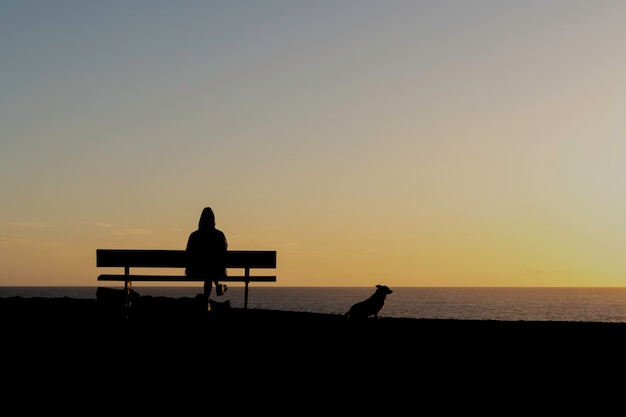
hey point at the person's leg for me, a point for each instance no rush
(208, 284)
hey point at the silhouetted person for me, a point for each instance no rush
(206, 254)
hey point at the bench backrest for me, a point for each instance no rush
(161, 258)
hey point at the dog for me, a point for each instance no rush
(371, 306)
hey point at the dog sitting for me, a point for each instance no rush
(371, 306)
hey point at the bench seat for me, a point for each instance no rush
(182, 278)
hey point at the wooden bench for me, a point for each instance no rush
(159, 258)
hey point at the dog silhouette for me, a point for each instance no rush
(371, 306)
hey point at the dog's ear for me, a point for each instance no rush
(378, 286)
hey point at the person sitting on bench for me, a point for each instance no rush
(206, 254)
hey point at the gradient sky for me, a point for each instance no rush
(406, 143)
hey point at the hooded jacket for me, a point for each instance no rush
(206, 249)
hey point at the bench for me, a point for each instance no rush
(160, 258)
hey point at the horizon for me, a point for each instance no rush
(416, 144)
(275, 285)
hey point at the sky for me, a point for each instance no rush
(404, 143)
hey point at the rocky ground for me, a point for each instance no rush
(170, 346)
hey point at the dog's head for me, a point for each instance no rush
(383, 289)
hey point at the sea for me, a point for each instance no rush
(581, 304)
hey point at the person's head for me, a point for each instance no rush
(207, 219)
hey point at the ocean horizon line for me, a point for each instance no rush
(266, 285)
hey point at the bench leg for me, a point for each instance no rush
(129, 296)
(247, 281)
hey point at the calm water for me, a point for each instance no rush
(561, 304)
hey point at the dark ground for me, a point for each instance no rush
(169, 349)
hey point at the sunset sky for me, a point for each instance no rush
(406, 143)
